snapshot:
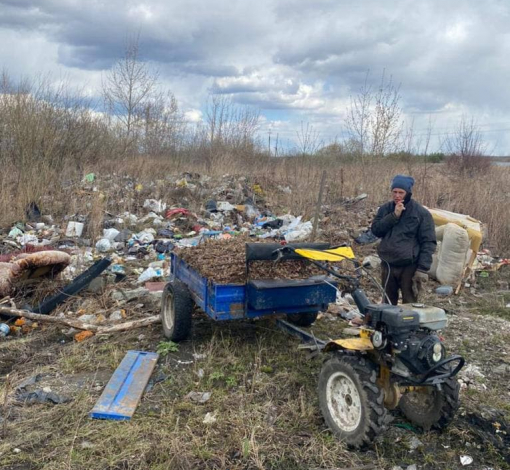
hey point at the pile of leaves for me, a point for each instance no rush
(224, 262)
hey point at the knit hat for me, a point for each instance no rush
(403, 182)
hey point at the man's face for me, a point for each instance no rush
(398, 195)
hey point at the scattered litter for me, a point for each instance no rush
(30, 381)
(4, 329)
(130, 294)
(158, 378)
(154, 205)
(148, 274)
(466, 460)
(83, 335)
(415, 443)
(117, 315)
(15, 232)
(104, 245)
(366, 238)
(89, 178)
(444, 291)
(199, 397)
(209, 418)
(74, 229)
(41, 397)
(155, 286)
(110, 234)
(372, 262)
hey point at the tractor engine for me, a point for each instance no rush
(407, 332)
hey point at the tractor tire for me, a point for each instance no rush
(176, 310)
(432, 409)
(351, 402)
(302, 319)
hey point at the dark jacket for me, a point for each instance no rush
(410, 239)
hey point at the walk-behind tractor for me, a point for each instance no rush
(395, 360)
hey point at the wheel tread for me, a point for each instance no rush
(183, 307)
(376, 413)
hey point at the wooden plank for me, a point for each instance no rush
(125, 388)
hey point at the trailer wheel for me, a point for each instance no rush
(351, 402)
(176, 309)
(302, 319)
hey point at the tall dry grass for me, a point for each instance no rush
(485, 197)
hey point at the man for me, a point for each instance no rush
(408, 242)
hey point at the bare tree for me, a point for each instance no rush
(126, 89)
(358, 118)
(385, 121)
(308, 139)
(374, 118)
(162, 125)
(466, 148)
(230, 127)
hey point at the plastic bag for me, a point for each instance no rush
(149, 273)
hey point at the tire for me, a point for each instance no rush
(434, 409)
(176, 310)
(351, 402)
(302, 319)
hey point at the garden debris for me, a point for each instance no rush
(224, 262)
(76, 323)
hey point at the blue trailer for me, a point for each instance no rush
(300, 300)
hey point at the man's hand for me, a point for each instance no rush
(419, 279)
(399, 208)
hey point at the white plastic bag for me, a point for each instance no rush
(148, 274)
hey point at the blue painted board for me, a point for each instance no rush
(125, 388)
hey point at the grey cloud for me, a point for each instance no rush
(445, 54)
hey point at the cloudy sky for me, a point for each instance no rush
(295, 60)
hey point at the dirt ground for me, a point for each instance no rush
(263, 410)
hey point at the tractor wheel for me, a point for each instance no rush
(430, 408)
(302, 319)
(350, 400)
(176, 309)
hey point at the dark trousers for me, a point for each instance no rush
(400, 277)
